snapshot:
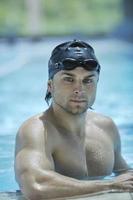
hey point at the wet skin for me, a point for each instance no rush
(57, 149)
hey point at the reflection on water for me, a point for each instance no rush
(23, 77)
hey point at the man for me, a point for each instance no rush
(61, 151)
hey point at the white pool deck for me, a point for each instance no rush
(107, 196)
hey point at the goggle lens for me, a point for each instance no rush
(88, 64)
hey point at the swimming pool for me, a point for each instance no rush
(23, 77)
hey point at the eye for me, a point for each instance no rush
(87, 81)
(68, 79)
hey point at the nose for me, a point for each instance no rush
(78, 88)
(77, 92)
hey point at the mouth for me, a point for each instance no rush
(78, 101)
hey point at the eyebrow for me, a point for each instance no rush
(89, 76)
(67, 73)
(72, 75)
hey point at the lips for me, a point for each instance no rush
(78, 101)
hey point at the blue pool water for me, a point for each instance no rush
(23, 77)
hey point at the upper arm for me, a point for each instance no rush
(32, 153)
(119, 162)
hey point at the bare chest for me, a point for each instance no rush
(99, 157)
(73, 159)
(70, 159)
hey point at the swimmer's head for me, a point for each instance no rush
(68, 56)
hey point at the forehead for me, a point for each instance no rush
(77, 72)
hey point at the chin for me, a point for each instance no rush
(77, 110)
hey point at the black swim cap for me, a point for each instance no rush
(69, 55)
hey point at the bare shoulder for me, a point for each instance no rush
(32, 151)
(31, 130)
(33, 123)
(105, 123)
(100, 119)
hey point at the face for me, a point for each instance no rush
(74, 90)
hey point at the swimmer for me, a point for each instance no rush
(60, 151)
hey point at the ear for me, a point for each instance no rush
(50, 85)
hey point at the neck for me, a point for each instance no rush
(73, 124)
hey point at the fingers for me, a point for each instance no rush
(123, 183)
(125, 186)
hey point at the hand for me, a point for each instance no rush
(124, 182)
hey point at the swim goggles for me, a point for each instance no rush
(71, 63)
